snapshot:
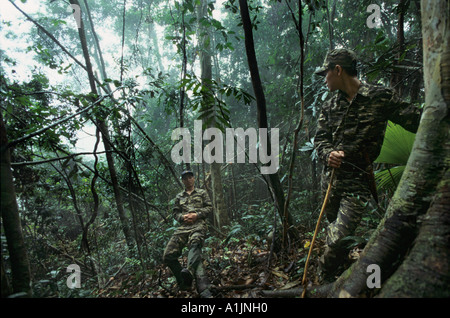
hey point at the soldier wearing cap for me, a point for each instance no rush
(192, 207)
(349, 137)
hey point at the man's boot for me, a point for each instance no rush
(196, 266)
(202, 282)
(187, 278)
(203, 286)
(329, 264)
(177, 271)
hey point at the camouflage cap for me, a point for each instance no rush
(343, 57)
(186, 172)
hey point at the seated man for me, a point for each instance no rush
(192, 207)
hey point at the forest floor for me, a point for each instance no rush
(237, 270)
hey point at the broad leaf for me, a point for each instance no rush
(397, 145)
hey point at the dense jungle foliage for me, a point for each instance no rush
(90, 145)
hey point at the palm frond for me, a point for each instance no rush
(397, 145)
(389, 178)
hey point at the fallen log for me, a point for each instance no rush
(320, 291)
(234, 287)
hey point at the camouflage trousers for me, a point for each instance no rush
(191, 237)
(347, 203)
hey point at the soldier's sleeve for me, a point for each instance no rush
(404, 114)
(203, 212)
(323, 138)
(177, 211)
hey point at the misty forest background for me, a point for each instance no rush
(89, 113)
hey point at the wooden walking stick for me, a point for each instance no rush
(315, 233)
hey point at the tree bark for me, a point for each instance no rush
(98, 51)
(20, 266)
(183, 77)
(299, 124)
(330, 25)
(311, 291)
(426, 270)
(261, 104)
(101, 124)
(220, 209)
(397, 74)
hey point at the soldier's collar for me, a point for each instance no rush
(363, 90)
(184, 191)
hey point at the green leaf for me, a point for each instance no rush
(397, 145)
(388, 179)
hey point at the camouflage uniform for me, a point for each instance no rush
(191, 235)
(357, 128)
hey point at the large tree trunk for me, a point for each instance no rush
(426, 270)
(20, 266)
(220, 209)
(411, 245)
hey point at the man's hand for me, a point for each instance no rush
(335, 159)
(190, 218)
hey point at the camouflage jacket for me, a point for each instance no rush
(198, 201)
(358, 127)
